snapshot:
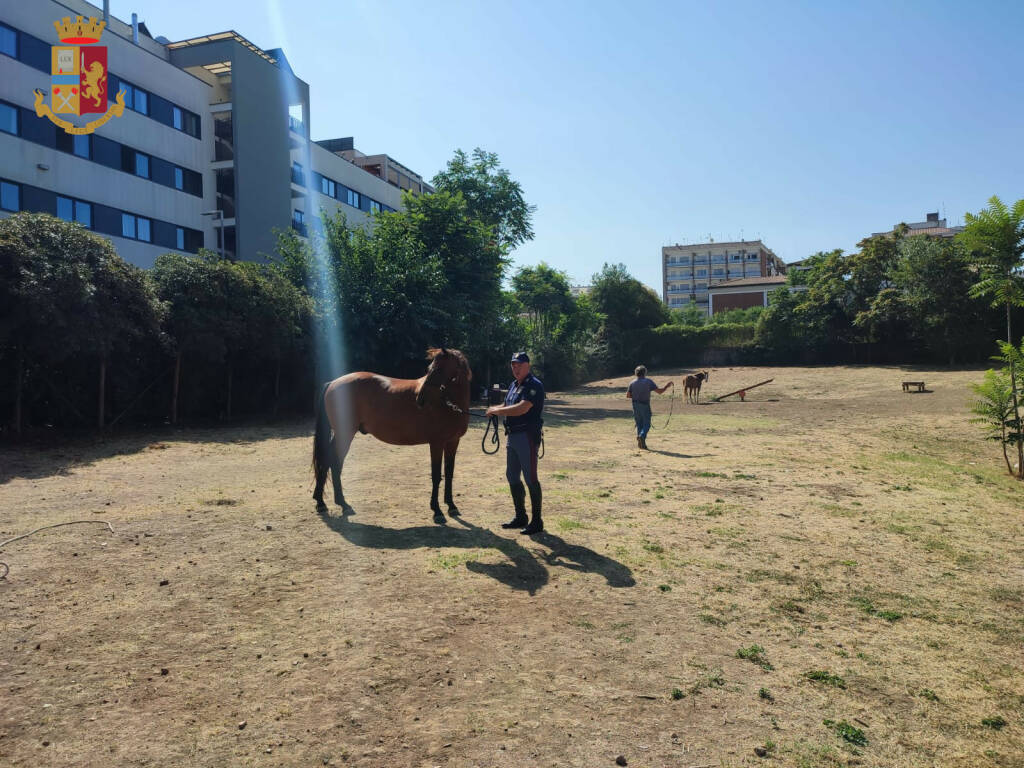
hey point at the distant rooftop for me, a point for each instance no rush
(742, 281)
(223, 67)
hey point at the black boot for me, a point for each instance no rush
(519, 499)
(536, 523)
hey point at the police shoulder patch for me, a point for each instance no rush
(533, 391)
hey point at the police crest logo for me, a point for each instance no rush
(78, 77)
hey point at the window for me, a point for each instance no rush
(65, 208)
(127, 225)
(8, 118)
(83, 213)
(10, 196)
(192, 124)
(179, 238)
(142, 165)
(177, 118)
(298, 217)
(374, 206)
(143, 229)
(352, 198)
(8, 41)
(179, 178)
(327, 187)
(141, 101)
(81, 146)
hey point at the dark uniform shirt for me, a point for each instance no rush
(531, 389)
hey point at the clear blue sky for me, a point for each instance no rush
(807, 124)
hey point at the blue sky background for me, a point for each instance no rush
(807, 124)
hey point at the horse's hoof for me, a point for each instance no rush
(347, 509)
(439, 518)
(321, 508)
(453, 510)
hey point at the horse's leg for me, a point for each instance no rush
(449, 473)
(436, 451)
(341, 443)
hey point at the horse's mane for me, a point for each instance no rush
(460, 358)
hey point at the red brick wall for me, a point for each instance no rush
(724, 301)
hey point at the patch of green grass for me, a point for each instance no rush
(765, 694)
(996, 723)
(713, 679)
(712, 474)
(582, 623)
(453, 560)
(821, 676)
(655, 548)
(790, 607)
(664, 588)
(755, 653)
(713, 620)
(928, 693)
(868, 607)
(848, 732)
(677, 694)
(848, 563)
(741, 476)
(565, 524)
(560, 475)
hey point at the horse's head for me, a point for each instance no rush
(705, 375)
(448, 372)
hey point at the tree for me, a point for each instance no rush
(626, 302)
(994, 408)
(995, 240)
(66, 293)
(544, 293)
(491, 196)
(691, 314)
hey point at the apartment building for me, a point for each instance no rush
(688, 271)
(213, 148)
(932, 225)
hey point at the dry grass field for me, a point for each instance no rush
(831, 572)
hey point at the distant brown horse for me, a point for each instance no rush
(432, 409)
(692, 387)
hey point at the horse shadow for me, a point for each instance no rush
(522, 571)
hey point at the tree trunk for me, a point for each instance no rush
(228, 409)
(177, 381)
(17, 390)
(100, 418)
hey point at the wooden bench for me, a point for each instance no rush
(908, 384)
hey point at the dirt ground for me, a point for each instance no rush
(868, 542)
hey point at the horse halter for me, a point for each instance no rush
(446, 401)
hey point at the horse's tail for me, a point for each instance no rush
(322, 438)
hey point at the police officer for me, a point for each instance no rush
(522, 411)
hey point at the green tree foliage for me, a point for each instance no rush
(691, 315)
(561, 329)
(995, 240)
(625, 302)
(993, 409)
(746, 316)
(66, 296)
(492, 196)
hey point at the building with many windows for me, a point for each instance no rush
(213, 148)
(688, 271)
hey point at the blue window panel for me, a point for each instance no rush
(65, 208)
(83, 213)
(8, 119)
(8, 41)
(81, 146)
(178, 119)
(143, 230)
(34, 52)
(142, 165)
(127, 225)
(128, 91)
(179, 238)
(141, 101)
(179, 178)
(10, 199)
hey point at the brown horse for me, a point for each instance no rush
(433, 409)
(692, 388)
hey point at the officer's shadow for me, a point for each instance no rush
(579, 558)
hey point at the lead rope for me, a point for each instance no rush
(671, 406)
(492, 428)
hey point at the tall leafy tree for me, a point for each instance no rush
(995, 239)
(625, 302)
(492, 196)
